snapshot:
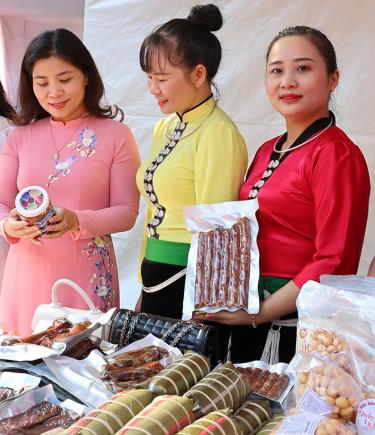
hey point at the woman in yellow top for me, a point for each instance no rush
(197, 156)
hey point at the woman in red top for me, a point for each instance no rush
(313, 188)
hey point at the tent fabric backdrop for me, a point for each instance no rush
(115, 29)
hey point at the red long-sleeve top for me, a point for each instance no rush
(313, 209)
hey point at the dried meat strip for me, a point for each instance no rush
(34, 415)
(234, 276)
(244, 262)
(139, 374)
(217, 259)
(225, 270)
(208, 291)
(200, 300)
(6, 393)
(138, 357)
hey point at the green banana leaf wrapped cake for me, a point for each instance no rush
(112, 414)
(165, 415)
(217, 422)
(271, 427)
(181, 375)
(223, 388)
(252, 415)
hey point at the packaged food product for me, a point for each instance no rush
(34, 206)
(223, 388)
(217, 422)
(112, 414)
(164, 415)
(223, 264)
(181, 375)
(326, 388)
(252, 415)
(337, 324)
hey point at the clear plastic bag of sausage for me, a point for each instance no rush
(337, 325)
(223, 264)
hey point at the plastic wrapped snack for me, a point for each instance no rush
(166, 415)
(223, 264)
(112, 414)
(326, 388)
(181, 375)
(306, 423)
(223, 388)
(252, 415)
(217, 422)
(337, 322)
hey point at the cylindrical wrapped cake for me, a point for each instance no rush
(252, 415)
(181, 375)
(112, 415)
(215, 423)
(223, 388)
(165, 415)
(272, 425)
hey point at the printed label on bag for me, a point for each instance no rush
(303, 423)
(366, 417)
(314, 404)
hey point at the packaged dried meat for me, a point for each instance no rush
(223, 264)
(165, 415)
(112, 415)
(272, 381)
(223, 388)
(217, 422)
(14, 384)
(181, 375)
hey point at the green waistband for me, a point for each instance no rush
(271, 284)
(164, 251)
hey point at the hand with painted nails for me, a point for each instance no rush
(240, 317)
(64, 220)
(18, 229)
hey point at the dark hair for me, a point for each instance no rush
(317, 38)
(6, 109)
(66, 45)
(187, 42)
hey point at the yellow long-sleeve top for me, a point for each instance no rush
(205, 167)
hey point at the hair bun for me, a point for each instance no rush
(206, 16)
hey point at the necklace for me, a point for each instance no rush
(301, 144)
(181, 126)
(56, 155)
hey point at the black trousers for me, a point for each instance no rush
(168, 302)
(248, 342)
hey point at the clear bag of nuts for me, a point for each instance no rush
(305, 423)
(335, 356)
(325, 388)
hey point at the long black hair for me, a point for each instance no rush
(66, 45)
(187, 42)
(6, 109)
